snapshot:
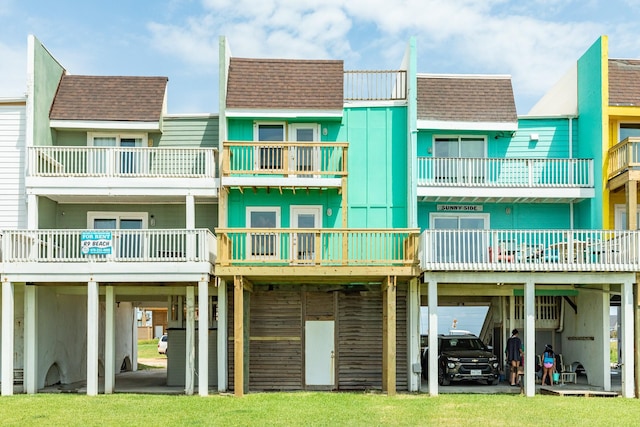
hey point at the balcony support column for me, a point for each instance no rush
(32, 212)
(627, 339)
(92, 337)
(413, 325)
(109, 341)
(203, 338)
(8, 323)
(240, 332)
(631, 190)
(190, 222)
(432, 364)
(223, 345)
(190, 356)
(389, 335)
(529, 338)
(30, 339)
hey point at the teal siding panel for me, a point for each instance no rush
(238, 204)
(377, 182)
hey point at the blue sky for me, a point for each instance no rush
(534, 41)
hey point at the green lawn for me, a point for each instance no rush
(317, 409)
(148, 349)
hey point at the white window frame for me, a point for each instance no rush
(460, 138)
(118, 217)
(143, 136)
(444, 256)
(249, 211)
(296, 237)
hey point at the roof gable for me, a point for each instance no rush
(624, 82)
(466, 99)
(109, 98)
(285, 84)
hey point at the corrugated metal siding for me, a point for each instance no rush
(13, 209)
(189, 132)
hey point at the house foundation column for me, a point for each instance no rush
(30, 339)
(413, 344)
(627, 340)
(389, 336)
(432, 294)
(109, 341)
(190, 343)
(223, 345)
(529, 338)
(203, 338)
(92, 338)
(7, 337)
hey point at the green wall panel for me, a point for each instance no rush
(47, 73)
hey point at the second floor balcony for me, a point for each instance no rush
(530, 250)
(624, 162)
(320, 252)
(122, 170)
(507, 179)
(290, 164)
(115, 252)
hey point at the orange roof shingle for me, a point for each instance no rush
(285, 84)
(109, 98)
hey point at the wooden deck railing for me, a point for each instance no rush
(385, 85)
(296, 159)
(143, 162)
(530, 250)
(623, 156)
(501, 172)
(170, 245)
(363, 247)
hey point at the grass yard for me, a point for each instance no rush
(148, 349)
(317, 409)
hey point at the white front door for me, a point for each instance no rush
(319, 353)
(303, 245)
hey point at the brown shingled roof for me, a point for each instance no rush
(624, 82)
(285, 84)
(104, 98)
(466, 99)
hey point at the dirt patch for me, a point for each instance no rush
(156, 362)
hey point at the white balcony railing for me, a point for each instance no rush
(530, 250)
(383, 85)
(170, 245)
(142, 162)
(312, 246)
(501, 172)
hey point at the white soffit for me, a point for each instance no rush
(473, 126)
(104, 125)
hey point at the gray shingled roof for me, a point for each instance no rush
(285, 84)
(104, 98)
(624, 82)
(466, 99)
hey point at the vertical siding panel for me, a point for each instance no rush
(13, 211)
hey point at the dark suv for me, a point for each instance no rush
(463, 357)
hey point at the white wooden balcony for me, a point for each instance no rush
(381, 85)
(503, 179)
(114, 252)
(317, 251)
(121, 170)
(530, 250)
(284, 164)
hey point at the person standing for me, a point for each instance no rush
(548, 364)
(514, 355)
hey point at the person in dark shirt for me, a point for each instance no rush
(514, 355)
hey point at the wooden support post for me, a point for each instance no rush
(109, 341)
(631, 190)
(432, 294)
(223, 343)
(8, 323)
(30, 339)
(626, 304)
(389, 336)
(529, 338)
(238, 336)
(92, 337)
(190, 356)
(203, 338)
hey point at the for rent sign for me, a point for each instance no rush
(96, 242)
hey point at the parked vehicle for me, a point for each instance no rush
(463, 357)
(162, 344)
